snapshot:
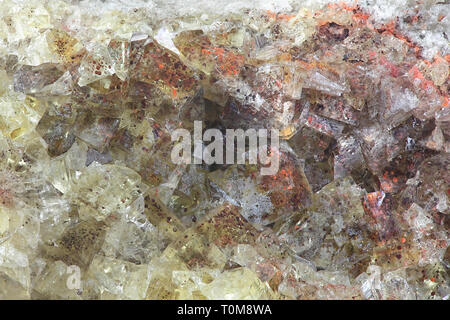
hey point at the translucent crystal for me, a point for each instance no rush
(338, 206)
(30, 79)
(92, 205)
(78, 244)
(105, 189)
(117, 279)
(240, 283)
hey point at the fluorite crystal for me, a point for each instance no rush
(93, 207)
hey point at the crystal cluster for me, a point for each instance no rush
(92, 207)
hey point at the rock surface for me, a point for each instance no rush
(92, 207)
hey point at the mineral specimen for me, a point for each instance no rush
(93, 207)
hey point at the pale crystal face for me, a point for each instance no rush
(92, 205)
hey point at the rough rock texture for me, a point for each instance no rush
(92, 207)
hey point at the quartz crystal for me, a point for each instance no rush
(92, 205)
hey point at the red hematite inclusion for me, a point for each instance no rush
(93, 207)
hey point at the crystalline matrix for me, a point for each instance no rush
(92, 207)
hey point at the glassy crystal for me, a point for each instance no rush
(94, 206)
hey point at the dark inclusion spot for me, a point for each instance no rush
(333, 31)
